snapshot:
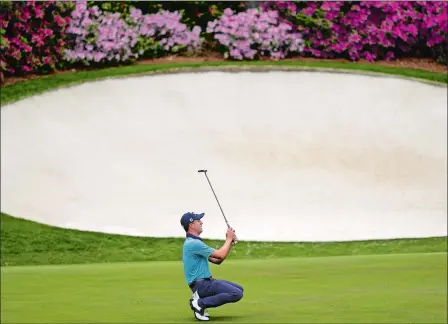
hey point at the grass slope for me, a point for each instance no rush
(29, 243)
(14, 92)
(406, 288)
(390, 281)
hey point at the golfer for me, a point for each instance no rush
(208, 292)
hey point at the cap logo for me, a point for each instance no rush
(191, 219)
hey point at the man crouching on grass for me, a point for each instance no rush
(208, 292)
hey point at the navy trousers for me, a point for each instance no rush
(215, 292)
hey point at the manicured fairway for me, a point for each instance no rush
(407, 288)
(47, 275)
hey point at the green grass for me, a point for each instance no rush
(406, 288)
(28, 243)
(14, 92)
(55, 275)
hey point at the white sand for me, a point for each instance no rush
(292, 156)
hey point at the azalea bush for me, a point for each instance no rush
(253, 34)
(104, 38)
(42, 36)
(32, 36)
(97, 38)
(162, 33)
(121, 7)
(366, 29)
(194, 13)
(434, 28)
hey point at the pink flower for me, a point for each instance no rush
(355, 38)
(38, 12)
(16, 54)
(326, 6)
(228, 12)
(58, 19)
(389, 55)
(309, 11)
(369, 56)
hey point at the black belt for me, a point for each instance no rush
(191, 285)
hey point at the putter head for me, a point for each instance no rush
(202, 170)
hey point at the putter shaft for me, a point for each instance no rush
(211, 187)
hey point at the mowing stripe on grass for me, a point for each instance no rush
(406, 288)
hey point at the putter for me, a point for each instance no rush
(225, 219)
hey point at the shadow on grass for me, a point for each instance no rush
(226, 318)
(219, 318)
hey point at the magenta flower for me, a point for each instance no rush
(381, 28)
(39, 13)
(31, 28)
(355, 38)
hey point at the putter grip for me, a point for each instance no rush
(234, 241)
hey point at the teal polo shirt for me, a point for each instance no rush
(195, 258)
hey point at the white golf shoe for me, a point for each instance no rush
(201, 314)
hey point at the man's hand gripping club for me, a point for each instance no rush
(218, 256)
(235, 239)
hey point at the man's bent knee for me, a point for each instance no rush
(240, 294)
(237, 295)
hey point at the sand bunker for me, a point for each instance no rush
(292, 156)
